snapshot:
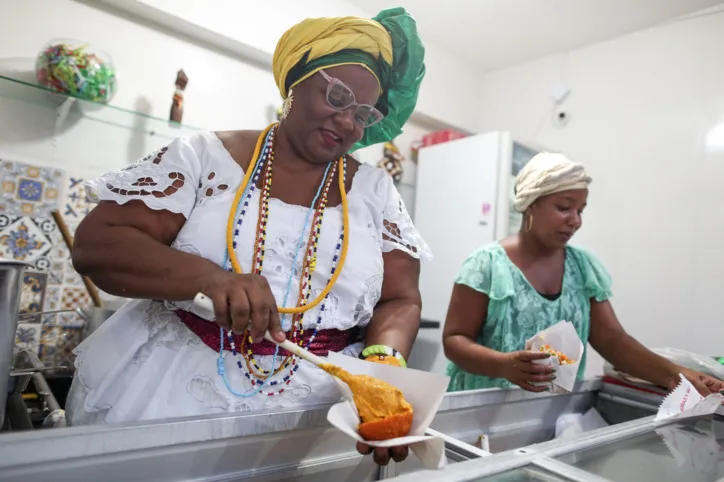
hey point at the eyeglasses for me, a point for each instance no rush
(340, 97)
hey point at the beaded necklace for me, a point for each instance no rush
(345, 227)
(264, 159)
(305, 278)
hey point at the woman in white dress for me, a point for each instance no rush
(255, 221)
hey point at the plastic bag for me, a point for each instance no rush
(693, 361)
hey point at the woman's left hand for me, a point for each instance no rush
(704, 384)
(382, 455)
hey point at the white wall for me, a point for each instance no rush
(224, 91)
(640, 107)
(446, 93)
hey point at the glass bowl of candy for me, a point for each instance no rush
(77, 69)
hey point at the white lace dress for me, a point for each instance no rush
(144, 363)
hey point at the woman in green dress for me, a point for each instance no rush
(507, 292)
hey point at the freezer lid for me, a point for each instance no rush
(691, 450)
(529, 473)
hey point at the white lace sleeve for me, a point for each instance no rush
(396, 228)
(164, 180)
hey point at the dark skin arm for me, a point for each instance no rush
(125, 250)
(396, 318)
(466, 317)
(142, 265)
(395, 322)
(610, 339)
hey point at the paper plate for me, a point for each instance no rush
(423, 390)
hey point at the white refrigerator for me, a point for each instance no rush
(462, 201)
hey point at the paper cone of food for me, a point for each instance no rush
(422, 391)
(562, 342)
(685, 401)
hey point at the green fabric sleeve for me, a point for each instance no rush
(485, 271)
(596, 279)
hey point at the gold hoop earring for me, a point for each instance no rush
(287, 105)
(530, 224)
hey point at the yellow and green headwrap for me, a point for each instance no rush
(387, 45)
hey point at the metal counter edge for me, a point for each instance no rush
(37, 446)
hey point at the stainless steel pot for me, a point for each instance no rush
(94, 317)
(11, 278)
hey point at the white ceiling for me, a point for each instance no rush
(496, 34)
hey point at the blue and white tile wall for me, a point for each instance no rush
(28, 195)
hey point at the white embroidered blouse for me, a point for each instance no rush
(144, 363)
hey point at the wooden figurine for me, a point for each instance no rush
(177, 106)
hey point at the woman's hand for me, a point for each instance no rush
(704, 384)
(241, 300)
(518, 368)
(382, 455)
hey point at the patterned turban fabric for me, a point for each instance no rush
(387, 45)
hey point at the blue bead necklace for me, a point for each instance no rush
(265, 158)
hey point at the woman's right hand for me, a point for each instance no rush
(518, 368)
(241, 300)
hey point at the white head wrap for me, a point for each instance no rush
(547, 173)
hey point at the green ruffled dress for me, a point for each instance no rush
(517, 311)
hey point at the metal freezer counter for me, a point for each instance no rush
(691, 450)
(300, 444)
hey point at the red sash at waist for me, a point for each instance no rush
(324, 342)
